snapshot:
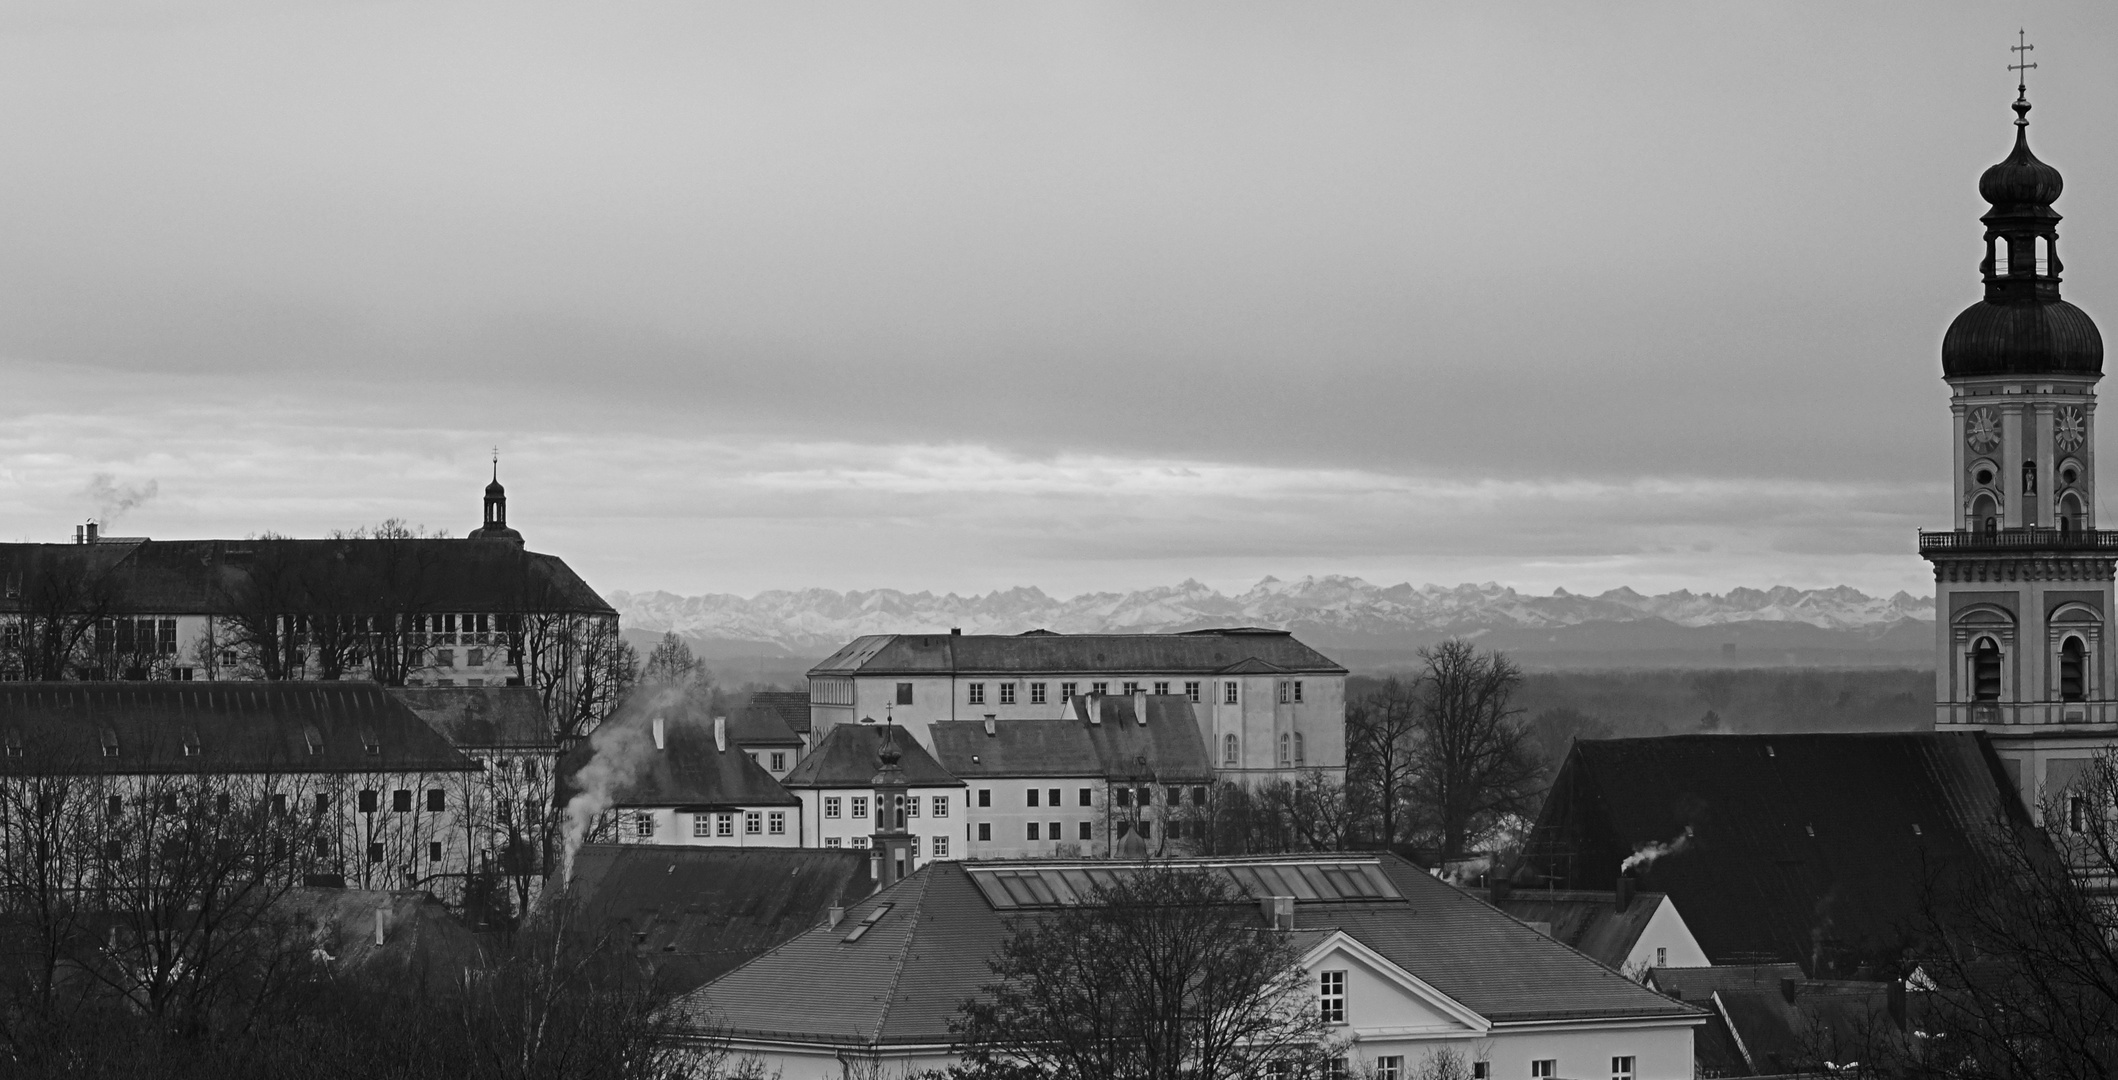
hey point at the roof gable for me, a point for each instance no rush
(689, 769)
(1447, 1014)
(851, 753)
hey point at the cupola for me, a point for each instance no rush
(495, 527)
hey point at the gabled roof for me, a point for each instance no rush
(689, 770)
(482, 717)
(850, 754)
(233, 726)
(1015, 748)
(1801, 847)
(755, 726)
(186, 577)
(901, 981)
(792, 707)
(1587, 920)
(1202, 652)
(694, 913)
(1168, 748)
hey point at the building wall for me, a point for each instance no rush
(668, 825)
(819, 830)
(1666, 932)
(1108, 817)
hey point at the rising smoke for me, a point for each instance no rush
(1646, 854)
(624, 745)
(113, 500)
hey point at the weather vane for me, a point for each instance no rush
(2022, 48)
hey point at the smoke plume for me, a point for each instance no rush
(624, 745)
(113, 500)
(1646, 854)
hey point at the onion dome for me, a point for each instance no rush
(2022, 327)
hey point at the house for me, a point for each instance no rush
(1105, 769)
(683, 781)
(836, 784)
(1267, 704)
(791, 706)
(691, 914)
(760, 732)
(1627, 931)
(1810, 849)
(1769, 1020)
(1412, 964)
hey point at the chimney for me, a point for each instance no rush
(720, 734)
(658, 733)
(835, 916)
(1278, 911)
(1140, 707)
(989, 732)
(1095, 709)
(1623, 896)
(379, 925)
(955, 631)
(80, 536)
(89, 533)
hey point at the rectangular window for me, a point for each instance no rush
(1481, 1070)
(1191, 692)
(985, 796)
(1131, 688)
(1661, 957)
(941, 847)
(433, 851)
(375, 852)
(401, 801)
(701, 826)
(1054, 797)
(476, 658)
(367, 800)
(1622, 1068)
(1544, 1069)
(1286, 692)
(831, 841)
(165, 642)
(1099, 688)
(1161, 688)
(831, 806)
(1390, 1067)
(724, 824)
(860, 806)
(1036, 693)
(985, 830)
(753, 823)
(1297, 691)
(1147, 830)
(1088, 796)
(912, 848)
(1055, 833)
(1066, 691)
(1007, 693)
(437, 800)
(941, 806)
(1124, 794)
(643, 825)
(904, 693)
(860, 841)
(911, 806)
(1198, 795)
(977, 693)
(1228, 691)
(1087, 831)
(779, 760)
(1033, 796)
(777, 823)
(1335, 1067)
(1332, 993)
(1033, 830)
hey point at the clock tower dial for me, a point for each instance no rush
(2070, 427)
(1982, 430)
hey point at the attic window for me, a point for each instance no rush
(191, 744)
(110, 743)
(369, 741)
(868, 922)
(14, 743)
(314, 739)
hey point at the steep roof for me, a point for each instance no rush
(849, 756)
(499, 717)
(694, 913)
(902, 980)
(1812, 848)
(179, 577)
(792, 707)
(234, 727)
(1200, 652)
(688, 771)
(1587, 920)
(755, 726)
(1166, 748)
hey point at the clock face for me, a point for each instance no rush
(2070, 427)
(1982, 430)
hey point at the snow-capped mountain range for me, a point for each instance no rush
(1331, 610)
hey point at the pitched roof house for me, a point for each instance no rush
(835, 783)
(677, 778)
(1428, 967)
(1622, 930)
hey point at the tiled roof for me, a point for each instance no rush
(234, 727)
(183, 577)
(848, 757)
(752, 725)
(419, 937)
(693, 913)
(1586, 919)
(791, 705)
(1202, 652)
(903, 980)
(481, 717)
(689, 771)
(1167, 748)
(1801, 847)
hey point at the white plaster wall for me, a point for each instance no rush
(1666, 930)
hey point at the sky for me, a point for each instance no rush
(968, 296)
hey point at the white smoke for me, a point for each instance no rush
(624, 745)
(113, 500)
(1646, 854)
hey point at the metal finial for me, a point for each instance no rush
(496, 464)
(2022, 68)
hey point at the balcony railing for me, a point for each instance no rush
(2014, 539)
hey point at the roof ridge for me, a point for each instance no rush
(904, 951)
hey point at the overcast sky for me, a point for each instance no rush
(1083, 296)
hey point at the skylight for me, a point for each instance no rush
(1308, 881)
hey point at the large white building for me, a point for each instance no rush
(1268, 707)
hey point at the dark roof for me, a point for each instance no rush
(1809, 848)
(501, 717)
(689, 769)
(792, 706)
(235, 726)
(1169, 747)
(2022, 337)
(173, 577)
(752, 725)
(1769, 1019)
(848, 757)
(1202, 652)
(418, 935)
(1586, 919)
(902, 980)
(702, 910)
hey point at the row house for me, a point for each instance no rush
(1268, 706)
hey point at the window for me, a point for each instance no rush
(1286, 692)
(1036, 693)
(1297, 748)
(831, 806)
(1335, 1067)
(401, 801)
(1622, 1068)
(279, 805)
(1176, 795)
(1087, 831)
(941, 847)
(912, 848)
(1033, 796)
(1285, 756)
(1297, 691)
(860, 806)
(1161, 688)
(475, 657)
(985, 796)
(1125, 796)
(776, 823)
(831, 841)
(904, 693)
(1191, 692)
(779, 760)
(724, 824)
(1099, 688)
(860, 841)
(1088, 796)
(1198, 795)
(753, 823)
(433, 851)
(1985, 670)
(1332, 994)
(1054, 799)
(1147, 830)
(701, 826)
(941, 806)
(367, 800)
(375, 852)
(1147, 795)
(323, 803)
(1661, 957)
(1033, 830)
(1390, 1067)
(1066, 691)
(985, 830)
(1228, 692)
(1007, 693)
(977, 693)
(1131, 688)
(1544, 1069)
(2077, 814)
(911, 805)
(1481, 1070)
(2073, 663)
(1228, 750)
(643, 825)
(437, 800)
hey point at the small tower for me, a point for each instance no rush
(495, 527)
(2023, 581)
(893, 845)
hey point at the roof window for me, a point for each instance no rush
(868, 922)
(191, 743)
(110, 742)
(314, 739)
(14, 743)
(369, 741)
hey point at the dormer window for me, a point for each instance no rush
(314, 740)
(14, 744)
(191, 744)
(370, 742)
(110, 743)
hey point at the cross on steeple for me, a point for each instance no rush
(2022, 50)
(496, 464)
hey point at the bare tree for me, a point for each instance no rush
(62, 598)
(1382, 731)
(671, 663)
(1472, 763)
(1163, 974)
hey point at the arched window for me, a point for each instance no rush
(1985, 670)
(1228, 750)
(1985, 513)
(1297, 748)
(2044, 256)
(2070, 515)
(2073, 670)
(1284, 759)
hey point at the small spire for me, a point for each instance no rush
(2022, 67)
(496, 464)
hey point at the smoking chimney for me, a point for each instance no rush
(720, 734)
(1140, 707)
(1623, 897)
(658, 733)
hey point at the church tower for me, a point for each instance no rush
(2023, 580)
(495, 527)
